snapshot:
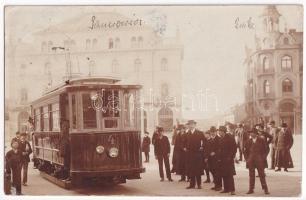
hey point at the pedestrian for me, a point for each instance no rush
(155, 134)
(207, 149)
(26, 150)
(162, 153)
(179, 147)
(239, 134)
(266, 137)
(13, 160)
(146, 146)
(227, 153)
(194, 149)
(175, 150)
(213, 158)
(274, 133)
(17, 137)
(256, 153)
(284, 144)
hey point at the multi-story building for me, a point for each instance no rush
(99, 44)
(274, 73)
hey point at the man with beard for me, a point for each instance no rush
(213, 158)
(194, 149)
(227, 152)
(162, 153)
(256, 153)
(284, 144)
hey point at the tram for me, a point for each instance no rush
(98, 121)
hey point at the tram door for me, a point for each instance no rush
(64, 107)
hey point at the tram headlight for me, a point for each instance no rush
(113, 152)
(100, 149)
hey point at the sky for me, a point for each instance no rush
(213, 46)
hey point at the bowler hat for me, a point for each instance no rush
(222, 128)
(191, 122)
(212, 129)
(284, 125)
(180, 127)
(160, 129)
(272, 122)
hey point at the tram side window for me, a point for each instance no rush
(111, 107)
(54, 114)
(37, 119)
(46, 118)
(73, 99)
(129, 109)
(89, 113)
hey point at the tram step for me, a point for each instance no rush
(62, 183)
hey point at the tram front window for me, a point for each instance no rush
(89, 113)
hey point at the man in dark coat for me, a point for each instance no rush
(175, 150)
(26, 150)
(213, 158)
(13, 160)
(207, 149)
(162, 153)
(274, 133)
(256, 153)
(180, 164)
(146, 146)
(227, 152)
(284, 144)
(266, 137)
(194, 149)
(155, 135)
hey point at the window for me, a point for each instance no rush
(265, 64)
(129, 109)
(43, 47)
(133, 42)
(164, 64)
(286, 63)
(50, 45)
(266, 88)
(140, 41)
(46, 118)
(88, 43)
(74, 114)
(23, 95)
(110, 43)
(117, 43)
(137, 65)
(111, 108)
(54, 116)
(94, 43)
(287, 85)
(115, 66)
(89, 113)
(37, 119)
(286, 41)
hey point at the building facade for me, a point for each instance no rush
(274, 74)
(99, 44)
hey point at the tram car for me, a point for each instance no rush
(88, 128)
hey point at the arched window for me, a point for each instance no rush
(94, 43)
(266, 87)
(133, 42)
(88, 44)
(110, 43)
(117, 43)
(140, 41)
(265, 64)
(287, 85)
(286, 63)
(164, 64)
(286, 41)
(43, 47)
(23, 95)
(115, 66)
(50, 45)
(137, 65)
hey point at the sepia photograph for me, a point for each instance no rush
(153, 100)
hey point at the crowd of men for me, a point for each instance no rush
(196, 153)
(16, 161)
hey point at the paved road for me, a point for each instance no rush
(280, 183)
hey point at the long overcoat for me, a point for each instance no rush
(284, 144)
(227, 152)
(255, 153)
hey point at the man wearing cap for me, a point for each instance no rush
(274, 132)
(256, 152)
(162, 153)
(26, 150)
(194, 149)
(227, 151)
(284, 144)
(214, 157)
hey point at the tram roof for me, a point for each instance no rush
(84, 82)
